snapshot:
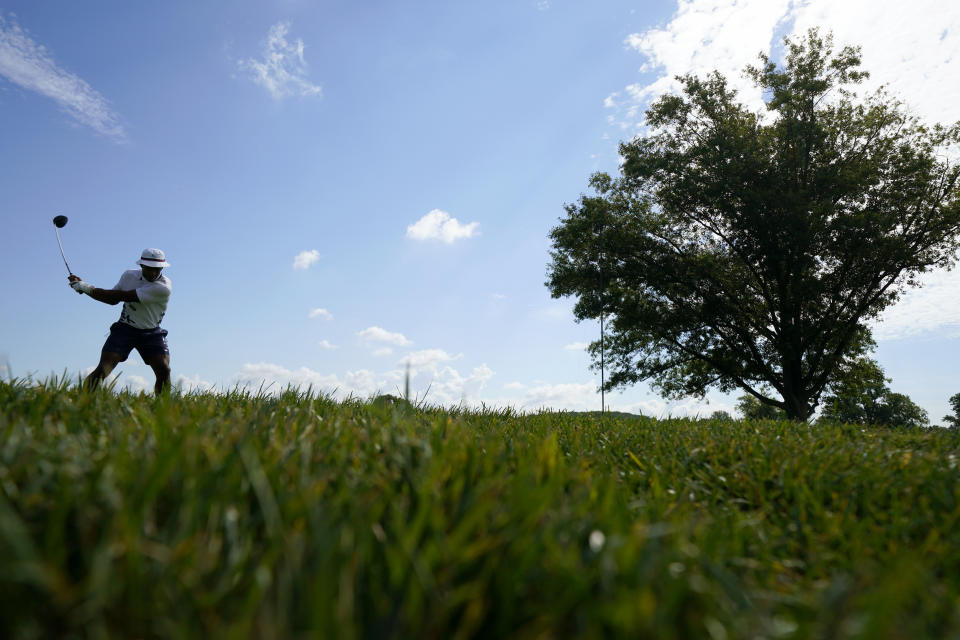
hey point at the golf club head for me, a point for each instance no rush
(60, 221)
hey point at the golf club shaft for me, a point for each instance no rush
(60, 244)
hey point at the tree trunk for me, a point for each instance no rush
(797, 407)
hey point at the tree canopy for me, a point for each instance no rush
(863, 397)
(953, 420)
(750, 408)
(750, 250)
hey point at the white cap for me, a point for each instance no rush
(153, 258)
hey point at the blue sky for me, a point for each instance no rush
(344, 188)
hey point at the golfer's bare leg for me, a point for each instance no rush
(161, 368)
(108, 362)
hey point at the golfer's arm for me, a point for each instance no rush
(113, 296)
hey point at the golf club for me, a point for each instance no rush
(58, 223)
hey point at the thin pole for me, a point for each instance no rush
(602, 392)
(603, 403)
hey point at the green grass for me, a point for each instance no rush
(296, 516)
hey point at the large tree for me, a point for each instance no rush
(749, 250)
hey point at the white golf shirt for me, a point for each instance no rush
(153, 296)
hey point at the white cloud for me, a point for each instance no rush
(137, 384)
(283, 69)
(571, 396)
(543, 5)
(449, 387)
(703, 35)
(383, 351)
(325, 344)
(445, 387)
(319, 313)
(911, 47)
(30, 65)
(935, 306)
(376, 335)
(659, 408)
(438, 225)
(194, 384)
(364, 383)
(428, 359)
(274, 377)
(585, 396)
(305, 258)
(577, 346)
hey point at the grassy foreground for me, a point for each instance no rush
(296, 516)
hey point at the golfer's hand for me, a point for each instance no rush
(80, 286)
(72, 278)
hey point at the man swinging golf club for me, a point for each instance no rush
(144, 293)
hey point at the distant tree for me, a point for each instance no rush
(752, 409)
(864, 398)
(721, 415)
(954, 420)
(750, 250)
(387, 401)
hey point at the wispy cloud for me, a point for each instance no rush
(283, 69)
(379, 336)
(585, 396)
(325, 344)
(136, 384)
(304, 259)
(275, 377)
(428, 359)
(686, 408)
(446, 386)
(192, 384)
(438, 225)
(572, 396)
(910, 47)
(576, 346)
(31, 66)
(704, 35)
(933, 307)
(321, 313)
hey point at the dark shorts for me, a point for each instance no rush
(124, 338)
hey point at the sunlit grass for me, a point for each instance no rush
(242, 514)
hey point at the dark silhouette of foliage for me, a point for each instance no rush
(953, 421)
(749, 251)
(752, 409)
(388, 401)
(721, 415)
(864, 398)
